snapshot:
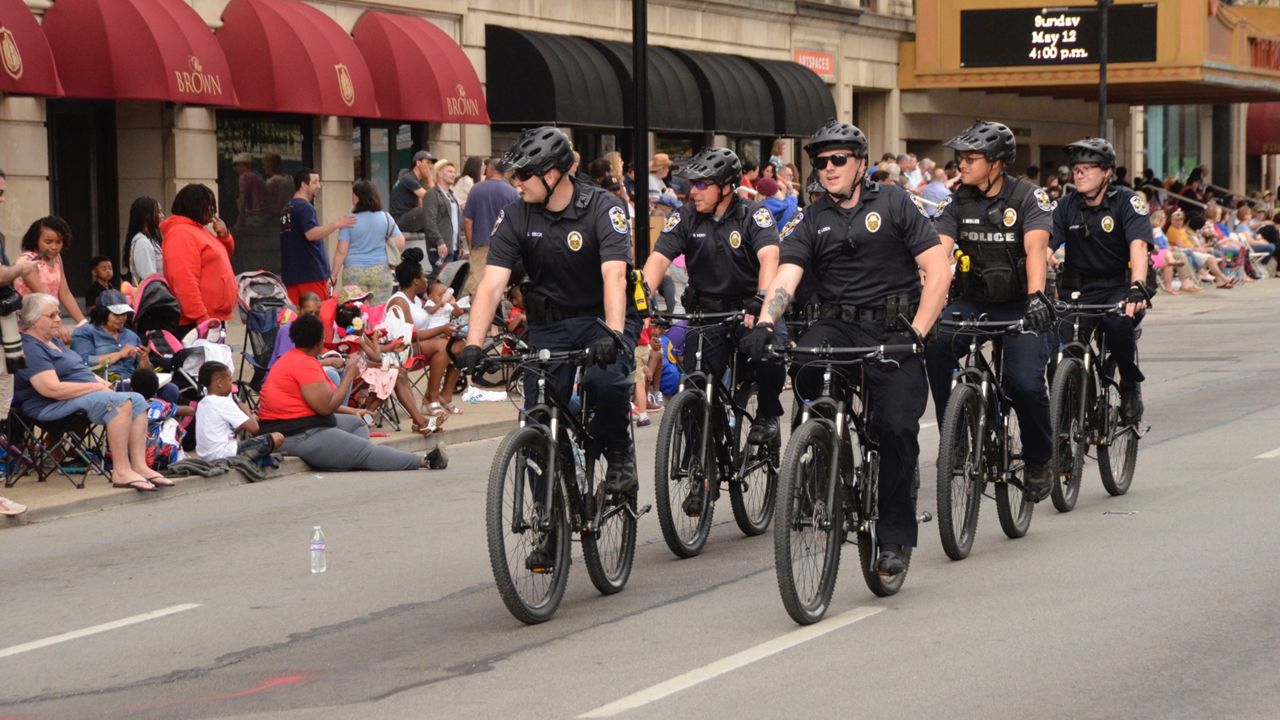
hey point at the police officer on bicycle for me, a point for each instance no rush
(865, 244)
(1001, 225)
(573, 240)
(1107, 236)
(731, 252)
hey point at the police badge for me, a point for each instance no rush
(735, 239)
(575, 241)
(763, 218)
(618, 217)
(1108, 223)
(671, 222)
(873, 222)
(1010, 217)
(1139, 205)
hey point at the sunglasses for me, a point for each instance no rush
(524, 174)
(701, 184)
(838, 160)
(969, 159)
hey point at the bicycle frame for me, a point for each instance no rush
(1092, 353)
(983, 368)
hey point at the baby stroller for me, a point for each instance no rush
(262, 297)
(155, 307)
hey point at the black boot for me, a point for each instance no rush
(1036, 482)
(892, 560)
(764, 430)
(1131, 408)
(620, 477)
(693, 503)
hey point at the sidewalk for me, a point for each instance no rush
(59, 498)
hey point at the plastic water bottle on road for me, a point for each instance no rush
(318, 561)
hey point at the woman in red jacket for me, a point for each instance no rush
(197, 259)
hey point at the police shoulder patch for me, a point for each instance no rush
(791, 225)
(618, 217)
(943, 205)
(763, 217)
(498, 222)
(1139, 204)
(919, 203)
(1042, 200)
(672, 221)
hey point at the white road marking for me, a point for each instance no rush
(86, 632)
(1268, 455)
(730, 663)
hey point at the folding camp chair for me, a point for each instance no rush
(66, 446)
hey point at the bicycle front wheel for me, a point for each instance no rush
(1069, 433)
(753, 491)
(868, 551)
(610, 551)
(808, 530)
(515, 525)
(959, 472)
(1118, 451)
(684, 467)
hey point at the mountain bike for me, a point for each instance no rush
(701, 445)
(545, 484)
(980, 441)
(829, 481)
(1084, 403)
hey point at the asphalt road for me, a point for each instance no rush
(1166, 612)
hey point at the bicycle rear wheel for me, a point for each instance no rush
(752, 493)
(521, 461)
(1068, 432)
(959, 472)
(1118, 453)
(610, 551)
(682, 466)
(1012, 506)
(807, 532)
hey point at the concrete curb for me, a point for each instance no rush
(290, 466)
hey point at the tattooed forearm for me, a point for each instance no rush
(778, 304)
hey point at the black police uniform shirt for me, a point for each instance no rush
(562, 252)
(1097, 238)
(863, 255)
(1035, 212)
(720, 255)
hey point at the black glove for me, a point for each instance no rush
(1038, 315)
(469, 359)
(604, 351)
(754, 305)
(755, 342)
(1138, 294)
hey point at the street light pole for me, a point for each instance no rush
(1103, 41)
(640, 125)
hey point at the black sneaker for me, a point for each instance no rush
(1036, 482)
(1131, 407)
(693, 504)
(620, 477)
(764, 430)
(541, 560)
(438, 459)
(892, 560)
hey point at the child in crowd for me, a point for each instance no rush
(516, 319)
(671, 354)
(100, 274)
(164, 430)
(219, 418)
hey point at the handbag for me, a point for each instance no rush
(393, 252)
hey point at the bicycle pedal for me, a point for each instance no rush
(924, 517)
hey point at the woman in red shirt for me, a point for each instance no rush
(197, 259)
(300, 402)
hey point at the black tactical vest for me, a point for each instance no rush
(992, 266)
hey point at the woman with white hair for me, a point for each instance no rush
(56, 384)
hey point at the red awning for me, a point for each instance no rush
(1262, 134)
(289, 57)
(419, 72)
(137, 50)
(24, 53)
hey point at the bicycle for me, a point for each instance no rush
(1084, 403)
(701, 446)
(980, 441)
(545, 484)
(828, 484)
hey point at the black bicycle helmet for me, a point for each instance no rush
(992, 139)
(836, 135)
(1091, 150)
(715, 165)
(538, 151)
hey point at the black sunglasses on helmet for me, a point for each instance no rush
(838, 160)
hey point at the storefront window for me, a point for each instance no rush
(748, 149)
(1173, 139)
(257, 156)
(380, 151)
(679, 147)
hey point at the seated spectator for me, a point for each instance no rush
(1268, 232)
(299, 402)
(429, 336)
(108, 341)
(1244, 228)
(647, 373)
(56, 384)
(43, 243)
(1166, 260)
(1218, 238)
(220, 419)
(1203, 262)
(165, 431)
(100, 274)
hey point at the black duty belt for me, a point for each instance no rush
(853, 313)
(549, 315)
(706, 303)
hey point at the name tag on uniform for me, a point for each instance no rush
(535, 233)
(700, 235)
(824, 229)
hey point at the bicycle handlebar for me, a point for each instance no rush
(713, 318)
(1075, 308)
(827, 352)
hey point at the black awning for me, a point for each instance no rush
(675, 105)
(542, 79)
(736, 99)
(801, 101)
